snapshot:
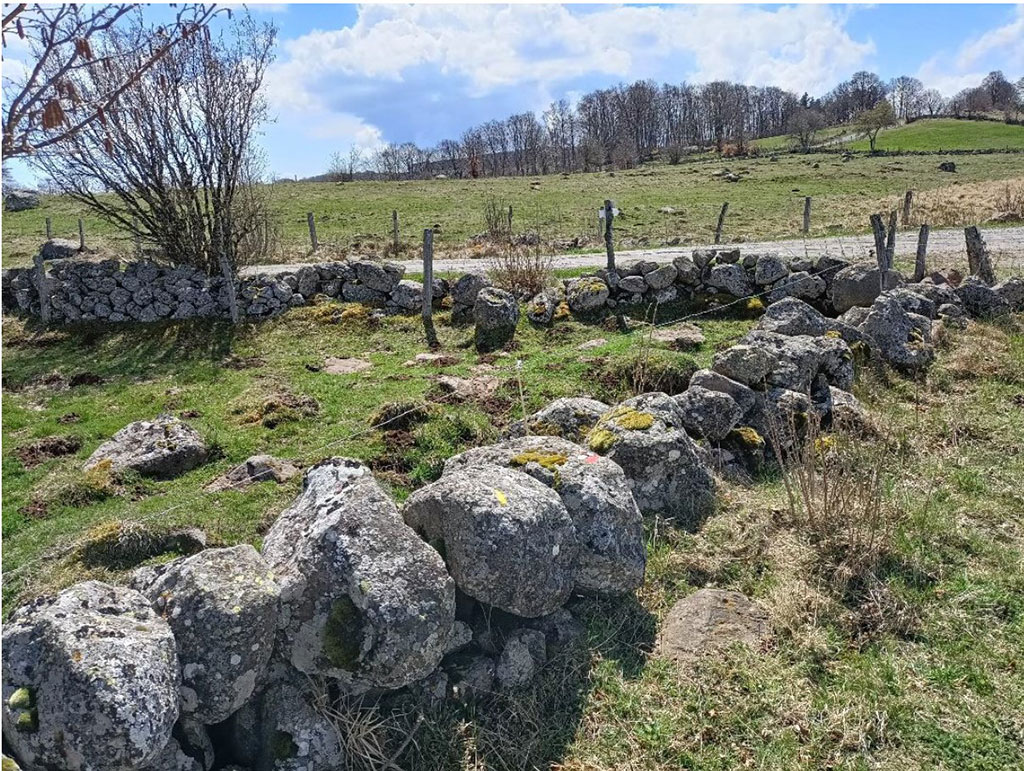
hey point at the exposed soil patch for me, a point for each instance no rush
(85, 378)
(69, 417)
(433, 360)
(47, 448)
(239, 362)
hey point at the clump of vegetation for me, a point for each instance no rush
(548, 460)
(396, 416)
(278, 408)
(328, 312)
(643, 371)
(343, 634)
(122, 544)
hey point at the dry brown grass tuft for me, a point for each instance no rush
(523, 271)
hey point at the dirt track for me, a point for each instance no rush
(945, 246)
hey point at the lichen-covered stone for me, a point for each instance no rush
(408, 295)
(379, 276)
(595, 493)
(363, 599)
(465, 290)
(507, 538)
(731, 279)
(569, 417)
(586, 294)
(708, 414)
(288, 733)
(661, 277)
(768, 269)
(541, 309)
(981, 301)
(713, 381)
(524, 653)
(745, 364)
(254, 469)
(797, 360)
(801, 285)
(222, 607)
(902, 339)
(90, 680)
(165, 447)
(667, 475)
(793, 316)
(496, 314)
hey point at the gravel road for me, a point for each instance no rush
(1005, 244)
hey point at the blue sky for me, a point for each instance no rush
(350, 75)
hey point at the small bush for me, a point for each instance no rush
(643, 371)
(523, 272)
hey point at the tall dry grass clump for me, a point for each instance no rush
(523, 271)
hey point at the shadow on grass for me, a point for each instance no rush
(112, 350)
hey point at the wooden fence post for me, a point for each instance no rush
(49, 228)
(510, 220)
(42, 288)
(977, 256)
(890, 241)
(394, 228)
(721, 221)
(922, 249)
(609, 247)
(81, 235)
(807, 214)
(878, 229)
(312, 231)
(908, 201)
(428, 287)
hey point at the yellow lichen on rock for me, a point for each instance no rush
(549, 460)
(600, 440)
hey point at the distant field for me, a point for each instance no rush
(785, 141)
(948, 134)
(659, 203)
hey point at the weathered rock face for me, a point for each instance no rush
(913, 301)
(731, 279)
(848, 413)
(902, 339)
(524, 653)
(379, 276)
(283, 731)
(687, 273)
(1012, 290)
(860, 285)
(681, 337)
(781, 417)
(465, 290)
(795, 317)
(586, 294)
(162, 448)
(90, 680)
(363, 599)
(981, 301)
(666, 473)
(801, 285)
(661, 277)
(496, 314)
(713, 381)
(407, 295)
(768, 269)
(569, 417)
(173, 758)
(596, 495)
(255, 469)
(507, 538)
(708, 414)
(711, 620)
(745, 364)
(222, 607)
(542, 307)
(797, 360)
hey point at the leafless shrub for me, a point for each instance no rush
(523, 271)
(496, 219)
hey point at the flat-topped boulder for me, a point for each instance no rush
(164, 448)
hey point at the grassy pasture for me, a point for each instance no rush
(659, 204)
(844, 683)
(947, 134)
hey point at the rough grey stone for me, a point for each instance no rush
(222, 607)
(408, 295)
(860, 285)
(731, 279)
(661, 277)
(363, 599)
(797, 360)
(713, 381)
(256, 468)
(90, 680)
(542, 307)
(768, 269)
(507, 538)
(379, 276)
(58, 249)
(708, 414)
(902, 339)
(633, 284)
(743, 363)
(586, 294)
(495, 314)
(524, 653)
(667, 475)
(162, 448)
(801, 285)
(596, 495)
(1012, 290)
(20, 200)
(687, 273)
(465, 290)
(981, 301)
(569, 417)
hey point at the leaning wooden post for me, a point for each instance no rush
(312, 231)
(510, 219)
(878, 229)
(908, 201)
(609, 247)
(807, 214)
(922, 250)
(890, 241)
(721, 222)
(394, 228)
(81, 235)
(49, 228)
(42, 289)
(977, 256)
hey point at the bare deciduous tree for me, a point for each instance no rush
(42, 104)
(803, 127)
(173, 160)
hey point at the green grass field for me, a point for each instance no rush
(923, 671)
(947, 134)
(659, 203)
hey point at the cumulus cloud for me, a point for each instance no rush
(999, 48)
(492, 47)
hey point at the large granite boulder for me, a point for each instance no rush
(90, 680)
(379, 276)
(222, 607)
(595, 493)
(980, 300)
(507, 538)
(769, 269)
(164, 448)
(570, 417)
(902, 339)
(860, 285)
(708, 414)
(795, 361)
(713, 381)
(363, 599)
(731, 279)
(20, 200)
(496, 314)
(587, 294)
(793, 316)
(667, 474)
(408, 295)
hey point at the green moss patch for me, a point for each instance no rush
(343, 634)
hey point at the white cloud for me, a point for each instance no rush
(803, 47)
(998, 48)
